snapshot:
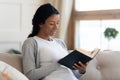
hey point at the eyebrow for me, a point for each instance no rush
(53, 21)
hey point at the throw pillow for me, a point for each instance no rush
(1, 77)
(4, 76)
(10, 72)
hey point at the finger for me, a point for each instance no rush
(81, 64)
(87, 63)
(78, 67)
(75, 68)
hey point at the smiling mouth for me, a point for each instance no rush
(53, 32)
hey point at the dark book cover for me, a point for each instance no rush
(74, 57)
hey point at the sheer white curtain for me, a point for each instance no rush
(65, 8)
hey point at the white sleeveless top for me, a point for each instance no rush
(52, 51)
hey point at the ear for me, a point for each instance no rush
(41, 25)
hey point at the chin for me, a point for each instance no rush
(52, 35)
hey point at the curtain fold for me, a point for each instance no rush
(70, 38)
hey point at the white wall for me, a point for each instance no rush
(15, 22)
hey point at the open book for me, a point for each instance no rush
(78, 55)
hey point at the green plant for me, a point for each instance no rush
(110, 33)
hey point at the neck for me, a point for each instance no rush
(45, 37)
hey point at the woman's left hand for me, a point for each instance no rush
(81, 67)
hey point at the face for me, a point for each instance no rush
(51, 25)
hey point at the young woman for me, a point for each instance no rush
(41, 51)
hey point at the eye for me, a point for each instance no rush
(51, 23)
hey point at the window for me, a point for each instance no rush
(91, 21)
(88, 5)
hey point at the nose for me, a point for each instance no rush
(56, 26)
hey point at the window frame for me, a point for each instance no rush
(95, 15)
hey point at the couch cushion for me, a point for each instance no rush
(105, 66)
(14, 60)
(92, 71)
(109, 65)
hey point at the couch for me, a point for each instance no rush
(13, 60)
(105, 66)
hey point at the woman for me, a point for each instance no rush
(41, 51)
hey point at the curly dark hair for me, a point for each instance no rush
(42, 13)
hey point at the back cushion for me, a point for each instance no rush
(105, 66)
(109, 65)
(14, 60)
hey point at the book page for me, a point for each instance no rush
(84, 51)
(94, 52)
(88, 53)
